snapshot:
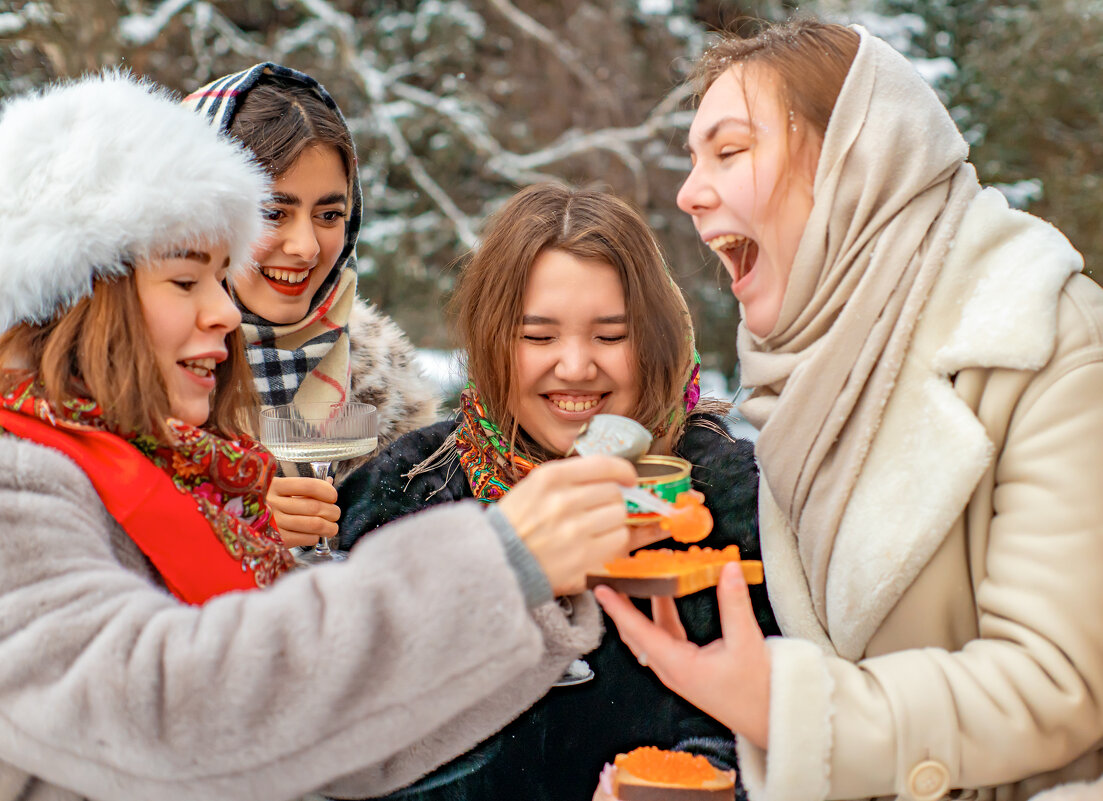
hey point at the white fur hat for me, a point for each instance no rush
(104, 172)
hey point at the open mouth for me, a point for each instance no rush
(287, 282)
(202, 368)
(576, 403)
(740, 251)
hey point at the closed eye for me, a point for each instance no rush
(612, 340)
(536, 339)
(728, 152)
(184, 283)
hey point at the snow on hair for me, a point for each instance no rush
(103, 172)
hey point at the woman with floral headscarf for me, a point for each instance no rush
(567, 311)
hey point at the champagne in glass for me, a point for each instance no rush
(319, 434)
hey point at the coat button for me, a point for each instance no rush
(928, 781)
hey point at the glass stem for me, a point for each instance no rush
(321, 472)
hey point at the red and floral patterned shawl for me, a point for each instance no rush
(196, 509)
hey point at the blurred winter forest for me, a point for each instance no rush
(456, 103)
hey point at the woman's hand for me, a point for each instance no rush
(728, 678)
(303, 509)
(604, 791)
(571, 515)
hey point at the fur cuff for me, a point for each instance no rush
(570, 629)
(797, 765)
(1076, 791)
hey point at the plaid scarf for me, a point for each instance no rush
(195, 508)
(308, 360)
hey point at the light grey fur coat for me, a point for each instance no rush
(350, 679)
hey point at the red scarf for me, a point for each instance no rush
(195, 509)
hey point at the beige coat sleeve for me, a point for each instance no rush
(1026, 696)
(414, 650)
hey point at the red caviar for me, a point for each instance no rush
(669, 767)
(664, 561)
(691, 520)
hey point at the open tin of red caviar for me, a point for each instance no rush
(665, 476)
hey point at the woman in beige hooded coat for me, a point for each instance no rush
(927, 366)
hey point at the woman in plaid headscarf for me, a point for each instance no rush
(310, 339)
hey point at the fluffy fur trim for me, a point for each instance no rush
(797, 765)
(385, 374)
(104, 172)
(1076, 791)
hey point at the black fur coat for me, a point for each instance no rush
(555, 750)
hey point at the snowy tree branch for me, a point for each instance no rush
(141, 29)
(570, 58)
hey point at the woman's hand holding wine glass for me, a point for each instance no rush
(303, 509)
(317, 434)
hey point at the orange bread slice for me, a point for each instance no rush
(652, 774)
(666, 572)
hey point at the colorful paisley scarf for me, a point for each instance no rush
(196, 509)
(492, 466)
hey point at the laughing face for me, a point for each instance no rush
(307, 214)
(188, 315)
(573, 358)
(750, 189)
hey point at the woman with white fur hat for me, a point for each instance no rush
(137, 657)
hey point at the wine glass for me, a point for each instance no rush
(319, 434)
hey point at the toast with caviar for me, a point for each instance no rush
(652, 774)
(662, 571)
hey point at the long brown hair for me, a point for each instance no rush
(99, 349)
(809, 58)
(592, 226)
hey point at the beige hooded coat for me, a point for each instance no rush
(963, 651)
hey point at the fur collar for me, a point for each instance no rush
(931, 450)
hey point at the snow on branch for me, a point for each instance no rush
(374, 83)
(141, 29)
(663, 117)
(570, 58)
(11, 23)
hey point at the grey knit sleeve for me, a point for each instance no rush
(534, 584)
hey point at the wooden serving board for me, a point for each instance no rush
(676, 584)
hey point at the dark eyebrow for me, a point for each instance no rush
(285, 199)
(711, 132)
(291, 200)
(612, 319)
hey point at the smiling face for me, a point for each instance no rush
(188, 315)
(307, 214)
(573, 358)
(750, 189)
